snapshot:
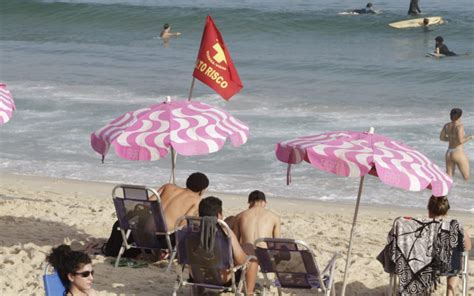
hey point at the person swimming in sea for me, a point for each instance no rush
(368, 9)
(426, 23)
(441, 48)
(453, 132)
(166, 34)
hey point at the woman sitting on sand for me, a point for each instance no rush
(453, 132)
(438, 209)
(74, 269)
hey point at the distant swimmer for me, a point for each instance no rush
(441, 48)
(426, 23)
(368, 9)
(453, 132)
(414, 8)
(166, 34)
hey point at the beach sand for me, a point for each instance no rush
(37, 213)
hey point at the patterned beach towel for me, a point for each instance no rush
(419, 251)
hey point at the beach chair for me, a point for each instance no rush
(293, 264)
(429, 240)
(141, 218)
(206, 266)
(52, 283)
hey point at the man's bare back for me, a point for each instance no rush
(177, 202)
(256, 222)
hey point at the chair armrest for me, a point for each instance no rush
(244, 265)
(331, 263)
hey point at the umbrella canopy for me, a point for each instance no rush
(187, 127)
(7, 105)
(356, 154)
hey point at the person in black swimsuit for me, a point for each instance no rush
(414, 8)
(441, 48)
(368, 9)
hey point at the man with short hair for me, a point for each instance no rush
(212, 207)
(256, 222)
(177, 201)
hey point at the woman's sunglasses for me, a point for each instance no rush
(85, 274)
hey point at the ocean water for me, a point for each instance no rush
(75, 65)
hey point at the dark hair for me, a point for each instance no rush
(256, 196)
(455, 114)
(210, 206)
(438, 205)
(369, 5)
(439, 39)
(426, 21)
(166, 26)
(66, 261)
(197, 182)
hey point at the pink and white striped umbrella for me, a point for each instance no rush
(354, 154)
(7, 105)
(188, 127)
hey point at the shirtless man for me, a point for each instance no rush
(177, 201)
(166, 32)
(453, 132)
(256, 222)
(212, 206)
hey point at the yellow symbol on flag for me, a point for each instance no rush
(220, 56)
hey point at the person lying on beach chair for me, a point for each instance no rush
(423, 249)
(177, 201)
(255, 222)
(208, 234)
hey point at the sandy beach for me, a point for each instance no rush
(37, 213)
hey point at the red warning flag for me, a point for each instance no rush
(214, 65)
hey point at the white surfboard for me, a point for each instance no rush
(434, 55)
(418, 22)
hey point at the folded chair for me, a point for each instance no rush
(141, 218)
(423, 249)
(294, 265)
(52, 283)
(205, 266)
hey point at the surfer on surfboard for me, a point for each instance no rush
(441, 48)
(368, 9)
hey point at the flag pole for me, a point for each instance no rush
(191, 89)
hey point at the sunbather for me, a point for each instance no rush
(255, 222)
(177, 201)
(74, 269)
(438, 208)
(212, 207)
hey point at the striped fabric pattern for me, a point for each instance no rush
(7, 105)
(190, 127)
(355, 154)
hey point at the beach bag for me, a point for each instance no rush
(112, 247)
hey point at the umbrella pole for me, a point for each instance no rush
(191, 89)
(173, 166)
(349, 250)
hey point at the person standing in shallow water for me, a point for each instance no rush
(414, 9)
(453, 132)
